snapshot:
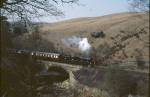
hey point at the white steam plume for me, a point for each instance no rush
(84, 45)
(81, 43)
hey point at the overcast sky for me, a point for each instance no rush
(89, 8)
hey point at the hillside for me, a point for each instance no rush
(102, 81)
(112, 25)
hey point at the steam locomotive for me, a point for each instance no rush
(54, 57)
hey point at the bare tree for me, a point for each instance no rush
(139, 5)
(26, 9)
(32, 8)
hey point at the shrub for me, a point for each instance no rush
(19, 28)
(120, 83)
(100, 34)
(6, 40)
(101, 54)
(34, 42)
(18, 77)
(139, 59)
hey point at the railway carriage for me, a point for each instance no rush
(45, 56)
(55, 57)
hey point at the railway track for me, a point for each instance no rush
(71, 61)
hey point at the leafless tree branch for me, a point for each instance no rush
(33, 8)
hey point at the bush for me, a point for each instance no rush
(18, 77)
(6, 41)
(139, 59)
(120, 83)
(19, 28)
(98, 34)
(34, 42)
(102, 53)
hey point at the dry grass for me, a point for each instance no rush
(112, 25)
